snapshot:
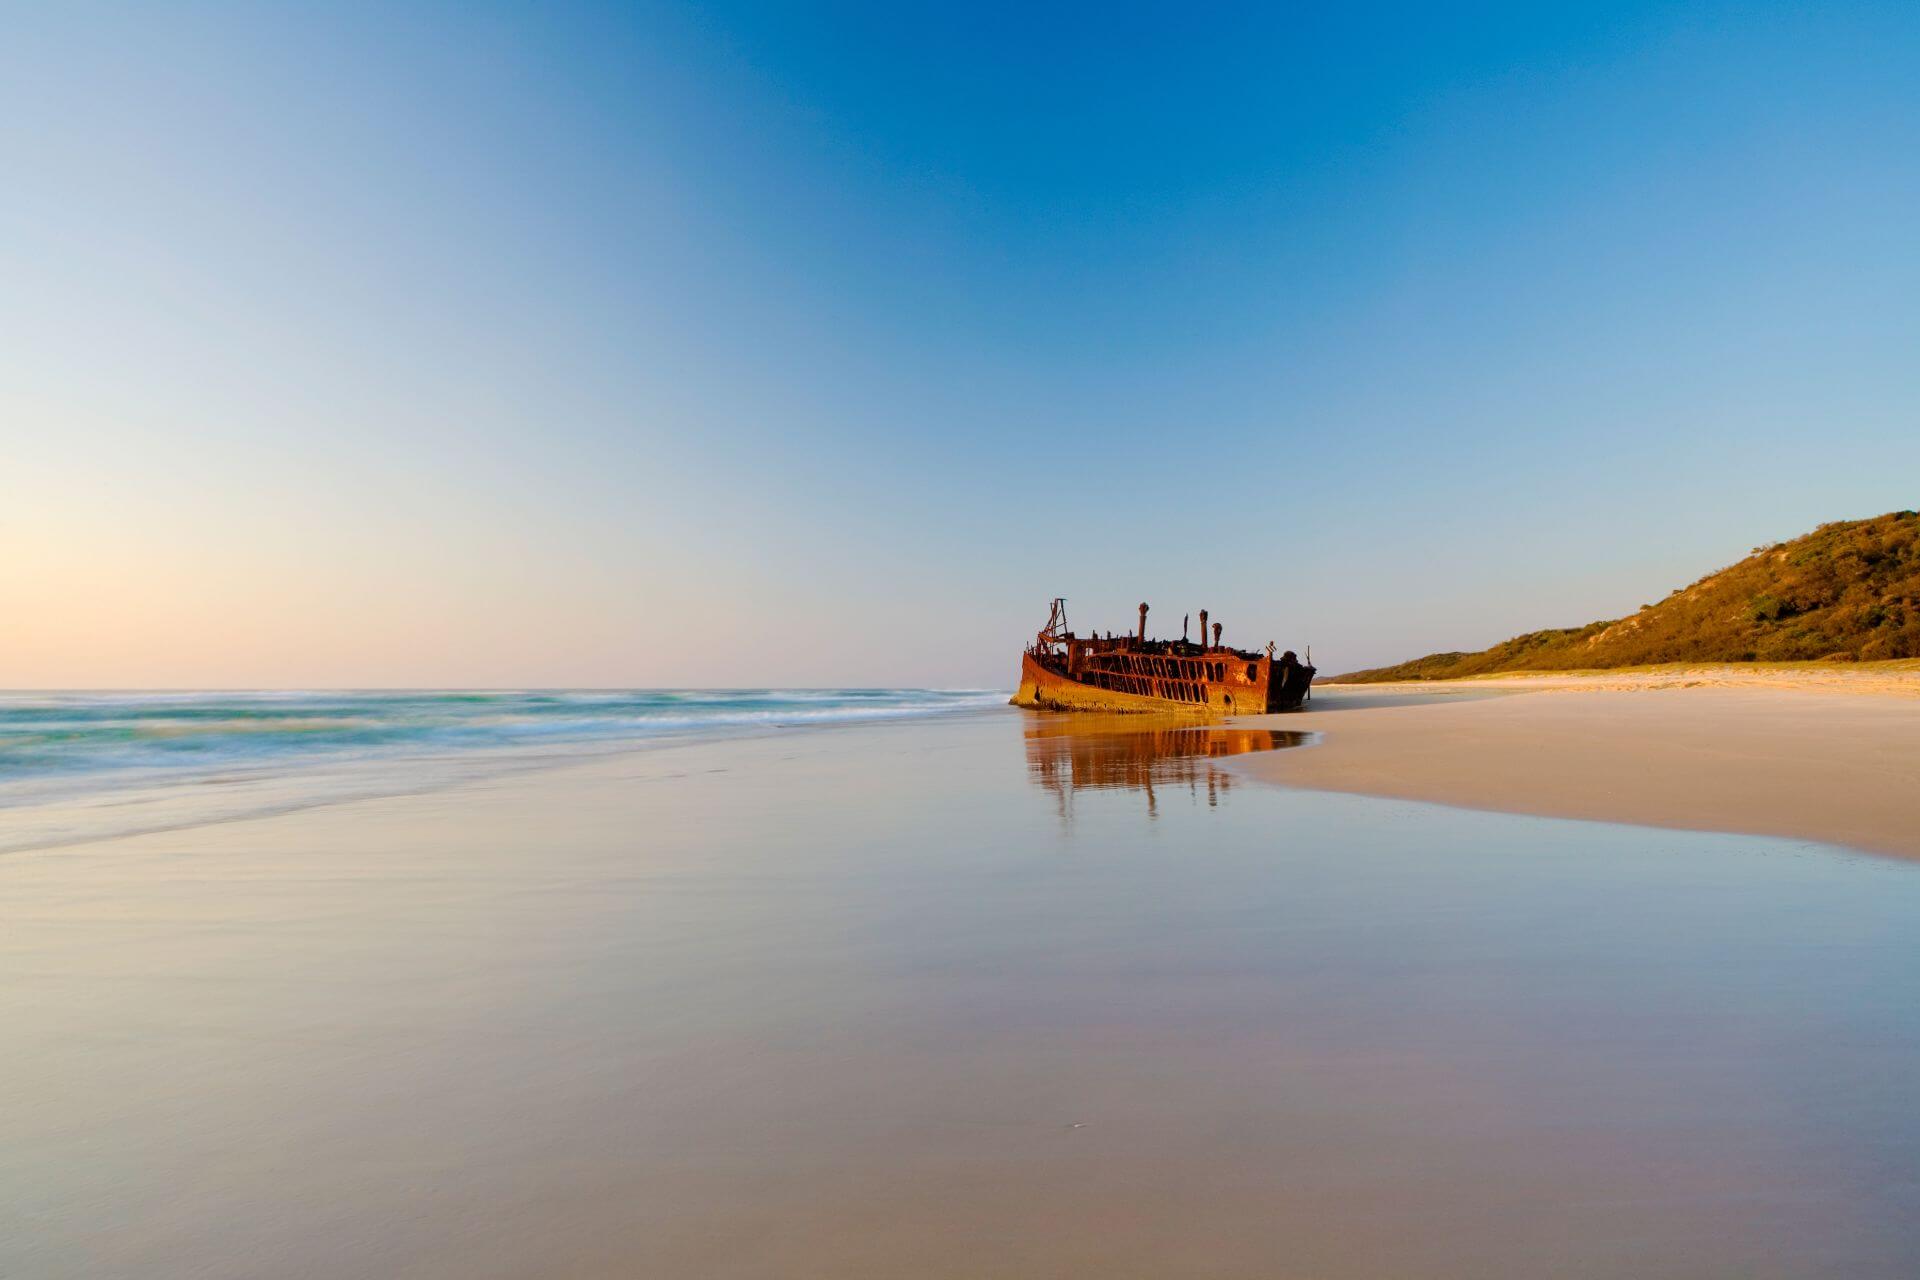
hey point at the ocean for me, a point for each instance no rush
(85, 765)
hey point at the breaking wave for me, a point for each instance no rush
(59, 750)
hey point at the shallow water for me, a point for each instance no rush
(958, 998)
(90, 765)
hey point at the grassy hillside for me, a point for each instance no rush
(1847, 592)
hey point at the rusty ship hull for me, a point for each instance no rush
(1061, 671)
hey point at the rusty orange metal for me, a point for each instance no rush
(1062, 671)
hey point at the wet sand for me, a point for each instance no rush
(1824, 755)
(953, 999)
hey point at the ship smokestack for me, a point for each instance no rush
(1143, 622)
(1216, 635)
(1203, 628)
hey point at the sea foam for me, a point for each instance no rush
(86, 764)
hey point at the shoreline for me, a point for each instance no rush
(1900, 678)
(1775, 752)
(90, 801)
(825, 1005)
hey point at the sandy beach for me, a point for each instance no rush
(976, 996)
(1816, 753)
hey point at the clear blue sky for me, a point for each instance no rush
(556, 344)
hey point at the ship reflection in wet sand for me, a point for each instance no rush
(1142, 753)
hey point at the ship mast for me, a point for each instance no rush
(1055, 632)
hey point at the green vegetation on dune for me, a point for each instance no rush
(1847, 592)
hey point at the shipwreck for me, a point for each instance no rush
(1062, 671)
